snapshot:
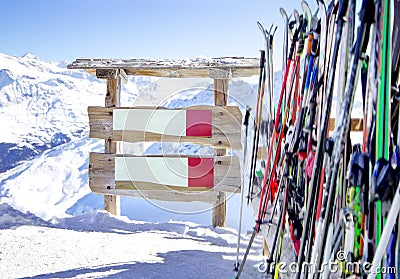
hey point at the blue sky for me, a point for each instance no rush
(68, 29)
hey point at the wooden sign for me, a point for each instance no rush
(180, 123)
(174, 171)
(206, 125)
(110, 173)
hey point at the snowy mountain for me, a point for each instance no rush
(43, 105)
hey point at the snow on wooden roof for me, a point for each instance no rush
(174, 68)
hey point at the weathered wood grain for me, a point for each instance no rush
(221, 86)
(161, 195)
(112, 99)
(102, 176)
(178, 68)
(226, 126)
(356, 124)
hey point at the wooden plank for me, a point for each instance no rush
(112, 99)
(226, 126)
(102, 175)
(356, 124)
(221, 100)
(220, 74)
(123, 76)
(106, 73)
(161, 195)
(174, 68)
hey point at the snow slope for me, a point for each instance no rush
(43, 105)
(97, 245)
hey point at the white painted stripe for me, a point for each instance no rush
(160, 170)
(166, 122)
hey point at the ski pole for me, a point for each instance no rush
(246, 124)
(390, 223)
(257, 118)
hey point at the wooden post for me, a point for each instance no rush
(112, 202)
(221, 81)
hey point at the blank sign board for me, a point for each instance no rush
(177, 171)
(179, 123)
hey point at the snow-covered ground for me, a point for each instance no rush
(98, 245)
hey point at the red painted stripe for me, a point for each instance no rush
(198, 123)
(201, 172)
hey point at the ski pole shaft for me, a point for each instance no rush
(246, 124)
(390, 223)
(261, 82)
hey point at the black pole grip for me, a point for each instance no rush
(247, 116)
(262, 59)
(312, 108)
(293, 44)
(367, 16)
(286, 169)
(367, 12)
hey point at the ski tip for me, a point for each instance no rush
(283, 13)
(305, 6)
(276, 27)
(260, 26)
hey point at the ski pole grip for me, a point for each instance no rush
(367, 12)
(312, 108)
(291, 48)
(329, 146)
(262, 59)
(286, 169)
(315, 42)
(247, 116)
(301, 43)
(293, 44)
(310, 43)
